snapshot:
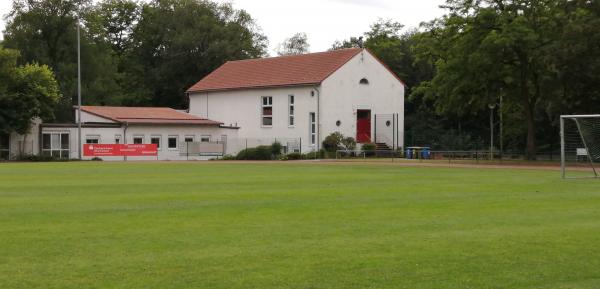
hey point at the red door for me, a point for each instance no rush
(363, 126)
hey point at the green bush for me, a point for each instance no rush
(349, 143)
(369, 149)
(40, 158)
(228, 158)
(332, 142)
(276, 148)
(294, 156)
(257, 153)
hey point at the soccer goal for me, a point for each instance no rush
(580, 146)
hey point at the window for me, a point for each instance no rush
(138, 139)
(189, 138)
(313, 128)
(267, 111)
(291, 110)
(364, 81)
(205, 138)
(55, 145)
(4, 146)
(173, 142)
(117, 138)
(155, 139)
(92, 139)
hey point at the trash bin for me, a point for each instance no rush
(426, 153)
(408, 154)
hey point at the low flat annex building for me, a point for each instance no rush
(178, 135)
(306, 97)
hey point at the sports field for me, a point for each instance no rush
(295, 225)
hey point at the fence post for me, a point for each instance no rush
(300, 149)
(375, 128)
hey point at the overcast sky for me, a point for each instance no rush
(324, 21)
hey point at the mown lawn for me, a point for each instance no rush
(294, 225)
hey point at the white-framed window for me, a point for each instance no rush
(117, 138)
(172, 142)
(189, 138)
(267, 111)
(56, 144)
(138, 139)
(205, 138)
(312, 117)
(4, 146)
(92, 139)
(291, 120)
(155, 139)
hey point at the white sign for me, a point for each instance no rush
(582, 152)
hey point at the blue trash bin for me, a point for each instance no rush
(408, 154)
(426, 153)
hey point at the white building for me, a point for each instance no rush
(296, 100)
(306, 97)
(178, 135)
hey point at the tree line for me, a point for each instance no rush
(532, 60)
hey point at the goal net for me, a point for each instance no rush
(580, 146)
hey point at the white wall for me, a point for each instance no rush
(28, 144)
(340, 97)
(107, 136)
(243, 107)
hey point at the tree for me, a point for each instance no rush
(44, 31)
(486, 48)
(177, 42)
(26, 92)
(297, 44)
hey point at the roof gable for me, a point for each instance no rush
(294, 70)
(146, 115)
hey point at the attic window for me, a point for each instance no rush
(364, 81)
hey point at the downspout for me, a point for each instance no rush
(125, 137)
(318, 118)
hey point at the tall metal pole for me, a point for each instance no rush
(78, 90)
(562, 147)
(492, 106)
(501, 128)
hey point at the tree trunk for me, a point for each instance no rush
(528, 106)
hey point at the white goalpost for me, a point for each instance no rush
(580, 146)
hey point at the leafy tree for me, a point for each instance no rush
(487, 48)
(297, 44)
(44, 31)
(180, 41)
(26, 92)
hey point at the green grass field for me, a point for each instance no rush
(294, 225)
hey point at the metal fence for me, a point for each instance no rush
(289, 145)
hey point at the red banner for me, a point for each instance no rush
(120, 150)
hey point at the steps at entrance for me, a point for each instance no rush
(380, 146)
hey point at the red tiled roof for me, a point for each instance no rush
(305, 69)
(146, 115)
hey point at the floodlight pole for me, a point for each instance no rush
(78, 90)
(492, 106)
(562, 147)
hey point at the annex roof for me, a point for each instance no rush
(146, 115)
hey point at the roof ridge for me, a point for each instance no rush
(295, 55)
